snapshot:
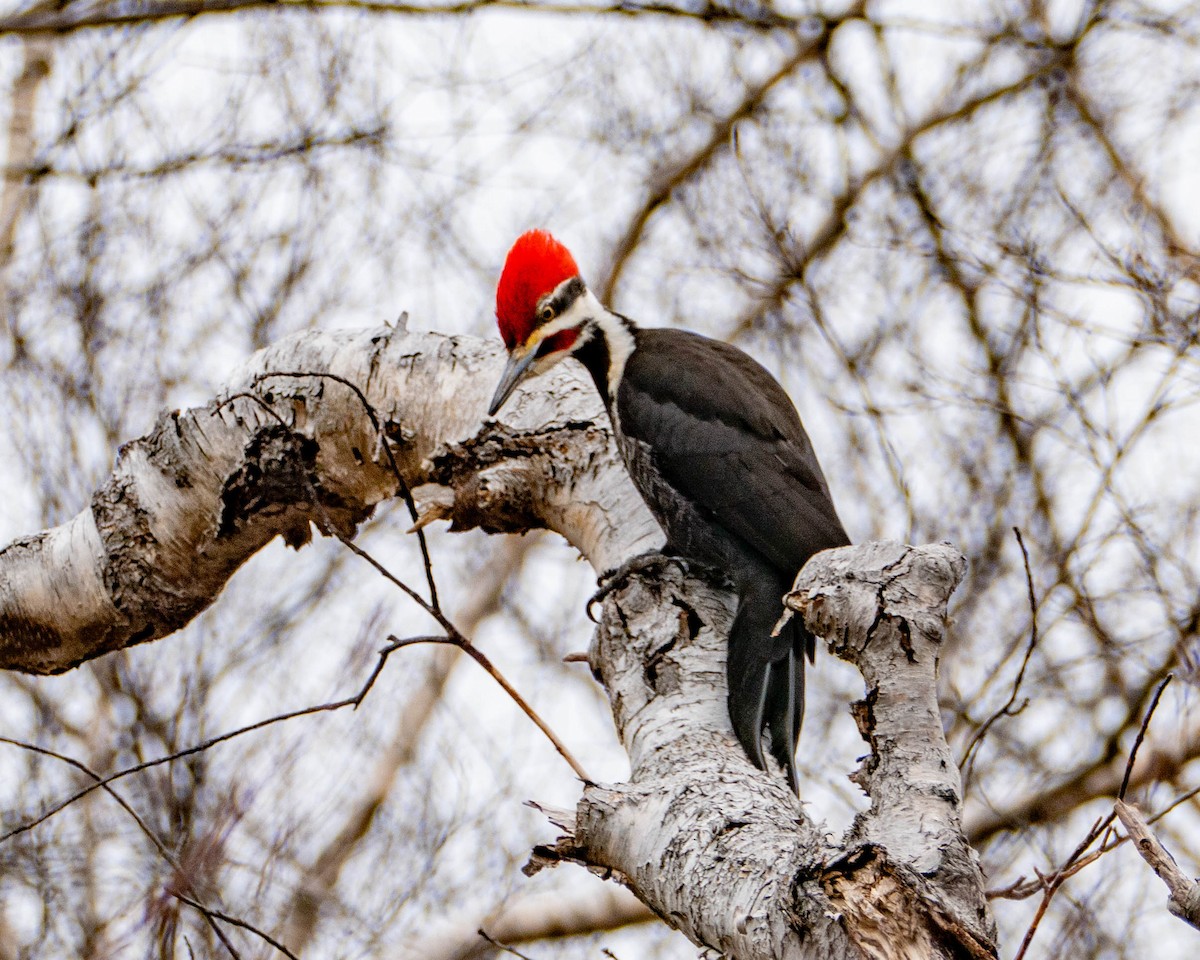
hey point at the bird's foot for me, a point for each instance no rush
(647, 562)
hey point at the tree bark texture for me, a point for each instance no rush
(321, 427)
(725, 853)
(1184, 892)
(192, 500)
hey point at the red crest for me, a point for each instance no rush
(536, 264)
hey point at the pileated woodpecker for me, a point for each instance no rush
(717, 450)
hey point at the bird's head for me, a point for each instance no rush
(543, 308)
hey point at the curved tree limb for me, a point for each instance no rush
(191, 501)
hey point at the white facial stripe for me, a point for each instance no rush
(588, 310)
(567, 321)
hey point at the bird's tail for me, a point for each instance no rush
(766, 676)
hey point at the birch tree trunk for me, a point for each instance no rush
(321, 427)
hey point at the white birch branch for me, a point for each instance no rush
(726, 854)
(1184, 893)
(882, 608)
(191, 501)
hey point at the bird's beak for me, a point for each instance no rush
(518, 366)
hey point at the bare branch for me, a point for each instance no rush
(829, 230)
(102, 782)
(321, 878)
(1051, 884)
(481, 658)
(40, 21)
(1008, 709)
(1134, 181)
(1103, 778)
(1141, 735)
(1184, 899)
(666, 182)
(209, 914)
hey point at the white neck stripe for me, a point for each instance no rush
(620, 344)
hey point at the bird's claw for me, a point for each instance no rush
(613, 579)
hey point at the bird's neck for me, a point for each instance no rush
(606, 351)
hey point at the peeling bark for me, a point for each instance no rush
(882, 608)
(191, 501)
(725, 853)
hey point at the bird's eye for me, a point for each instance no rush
(547, 313)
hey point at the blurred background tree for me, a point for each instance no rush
(964, 236)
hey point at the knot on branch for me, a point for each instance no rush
(278, 470)
(498, 499)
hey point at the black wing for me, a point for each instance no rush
(724, 434)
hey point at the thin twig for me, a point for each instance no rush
(1020, 889)
(98, 782)
(61, 20)
(967, 763)
(456, 639)
(353, 701)
(1077, 861)
(246, 395)
(234, 921)
(1142, 735)
(453, 636)
(1184, 798)
(1051, 883)
(384, 572)
(501, 946)
(209, 914)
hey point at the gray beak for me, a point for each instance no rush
(514, 373)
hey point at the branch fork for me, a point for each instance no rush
(724, 852)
